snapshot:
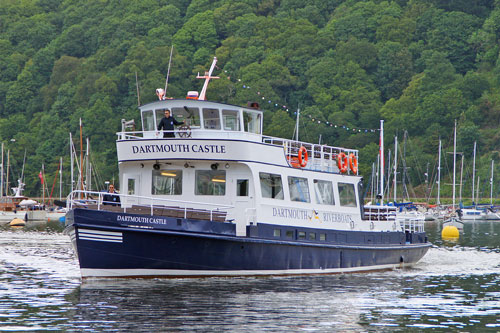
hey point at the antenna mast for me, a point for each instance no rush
(168, 71)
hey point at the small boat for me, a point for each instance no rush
(222, 199)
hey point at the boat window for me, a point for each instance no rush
(160, 113)
(271, 186)
(231, 120)
(242, 187)
(131, 186)
(323, 189)
(302, 235)
(190, 116)
(312, 236)
(290, 234)
(166, 182)
(251, 121)
(210, 182)
(277, 233)
(148, 122)
(211, 119)
(347, 195)
(322, 237)
(299, 189)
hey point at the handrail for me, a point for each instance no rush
(88, 197)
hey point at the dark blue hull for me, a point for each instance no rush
(126, 245)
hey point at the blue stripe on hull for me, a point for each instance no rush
(112, 249)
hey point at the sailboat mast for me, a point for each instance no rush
(454, 162)
(87, 166)
(60, 178)
(439, 173)
(491, 182)
(461, 176)
(1, 176)
(72, 161)
(395, 166)
(81, 158)
(381, 161)
(7, 173)
(473, 172)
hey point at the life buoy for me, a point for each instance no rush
(342, 162)
(353, 163)
(303, 157)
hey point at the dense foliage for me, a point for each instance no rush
(418, 64)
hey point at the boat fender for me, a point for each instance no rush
(353, 163)
(303, 157)
(342, 162)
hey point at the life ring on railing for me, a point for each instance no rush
(342, 162)
(353, 163)
(303, 157)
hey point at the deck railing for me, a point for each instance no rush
(320, 157)
(144, 205)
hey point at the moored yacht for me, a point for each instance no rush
(222, 199)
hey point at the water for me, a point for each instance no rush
(455, 287)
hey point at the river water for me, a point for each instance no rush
(455, 287)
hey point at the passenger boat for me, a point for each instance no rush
(222, 199)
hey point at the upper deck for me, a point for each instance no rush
(234, 133)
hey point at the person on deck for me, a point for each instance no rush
(111, 197)
(167, 124)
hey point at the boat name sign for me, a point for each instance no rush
(304, 214)
(178, 148)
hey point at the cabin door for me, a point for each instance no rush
(131, 189)
(243, 202)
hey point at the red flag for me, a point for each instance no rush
(41, 177)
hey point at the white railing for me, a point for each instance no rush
(412, 225)
(320, 157)
(379, 213)
(143, 204)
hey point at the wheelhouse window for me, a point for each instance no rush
(166, 182)
(211, 119)
(347, 195)
(160, 113)
(190, 116)
(323, 190)
(210, 182)
(299, 189)
(231, 119)
(131, 186)
(252, 122)
(242, 187)
(271, 186)
(148, 122)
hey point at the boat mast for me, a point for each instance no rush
(87, 167)
(60, 178)
(7, 173)
(297, 124)
(473, 172)
(491, 182)
(1, 176)
(81, 159)
(395, 166)
(208, 76)
(72, 161)
(381, 190)
(168, 71)
(439, 173)
(454, 162)
(461, 176)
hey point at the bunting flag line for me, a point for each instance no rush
(286, 108)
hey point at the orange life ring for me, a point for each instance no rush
(353, 163)
(342, 162)
(303, 157)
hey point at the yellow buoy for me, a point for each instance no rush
(450, 232)
(17, 222)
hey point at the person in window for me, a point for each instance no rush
(167, 124)
(111, 197)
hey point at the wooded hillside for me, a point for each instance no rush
(418, 64)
